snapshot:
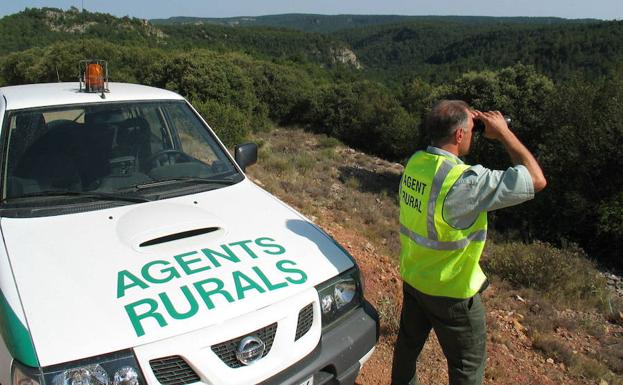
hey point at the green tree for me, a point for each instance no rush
(227, 121)
(203, 75)
(289, 91)
(519, 92)
(580, 156)
(367, 116)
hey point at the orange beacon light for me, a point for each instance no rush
(94, 79)
(93, 76)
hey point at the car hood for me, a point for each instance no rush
(106, 280)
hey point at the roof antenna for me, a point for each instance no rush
(83, 24)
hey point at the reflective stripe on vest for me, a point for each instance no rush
(480, 235)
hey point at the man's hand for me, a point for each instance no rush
(497, 128)
(495, 124)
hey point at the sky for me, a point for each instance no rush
(151, 9)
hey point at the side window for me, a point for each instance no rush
(25, 130)
(191, 134)
(158, 134)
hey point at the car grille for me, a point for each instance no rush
(226, 351)
(173, 370)
(306, 319)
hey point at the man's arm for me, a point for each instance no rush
(496, 128)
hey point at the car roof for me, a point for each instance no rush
(56, 94)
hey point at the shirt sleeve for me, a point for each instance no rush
(480, 189)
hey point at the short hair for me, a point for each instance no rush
(445, 117)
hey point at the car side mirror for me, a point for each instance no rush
(245, 154)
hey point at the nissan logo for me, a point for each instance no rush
(250, 350)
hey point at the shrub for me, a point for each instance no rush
(578, 364)
(328, 154)
(328, 142)
(365, 115)
(303, 162)
(230, 124)
(288, 91)
(564, 275)
(551, 347)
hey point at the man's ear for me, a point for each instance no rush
(459, 134)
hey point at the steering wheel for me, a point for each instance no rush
(172, 155)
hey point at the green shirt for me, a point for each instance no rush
(480, 189)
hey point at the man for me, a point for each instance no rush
(443, 227)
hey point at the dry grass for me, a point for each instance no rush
(579, 365)
(563, 275)
(555, 349)
(389, 313)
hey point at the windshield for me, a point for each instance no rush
(112, 148)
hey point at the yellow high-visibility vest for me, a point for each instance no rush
(436, 258)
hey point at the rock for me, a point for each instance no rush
(518, 298)
(345, 56)
(549, 361)
(603, 382)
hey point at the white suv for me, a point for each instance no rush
(137, 252)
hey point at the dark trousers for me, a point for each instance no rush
(460, 328)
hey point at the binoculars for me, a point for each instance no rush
(479, 125)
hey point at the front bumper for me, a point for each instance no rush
(336, 359)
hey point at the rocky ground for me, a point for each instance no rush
(615, 282)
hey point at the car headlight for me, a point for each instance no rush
(118, 368)
(25, 375)
(339, 295)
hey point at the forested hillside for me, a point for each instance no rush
(561, 81)
(332, 23)
(41, 27)
(301, 22)
(265, 42)
(440, 51)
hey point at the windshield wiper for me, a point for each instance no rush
(181, 180)
(81, 194)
